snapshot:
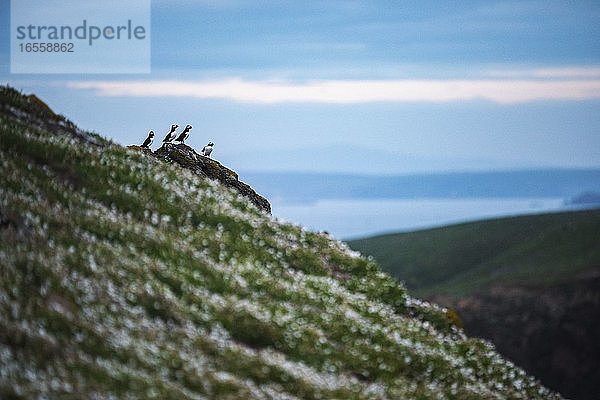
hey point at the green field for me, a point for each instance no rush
(533, 250)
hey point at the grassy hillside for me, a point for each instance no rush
(127, 277)
(534, 250)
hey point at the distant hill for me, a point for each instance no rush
(537, 250)
(587, 199)
(127, 276)
(308, 187)
(345, 158)
(530, 284)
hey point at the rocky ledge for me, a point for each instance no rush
(206, 167)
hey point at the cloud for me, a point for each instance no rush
(502, 91)
(549, 73)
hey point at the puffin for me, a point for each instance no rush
(206, 150)
(148, 140)
(171, 134)
(184, 134)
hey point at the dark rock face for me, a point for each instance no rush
(552, 332)
(186, 157)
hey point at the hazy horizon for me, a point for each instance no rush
(351, 205)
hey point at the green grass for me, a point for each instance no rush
(123, 276)
(534, 250)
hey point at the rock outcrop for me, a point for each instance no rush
(186, 157)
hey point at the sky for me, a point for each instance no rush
(363, 86)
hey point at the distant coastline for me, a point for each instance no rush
(302, 188)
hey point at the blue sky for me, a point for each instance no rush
(325, 85)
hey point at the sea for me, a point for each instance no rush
(357, 218)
